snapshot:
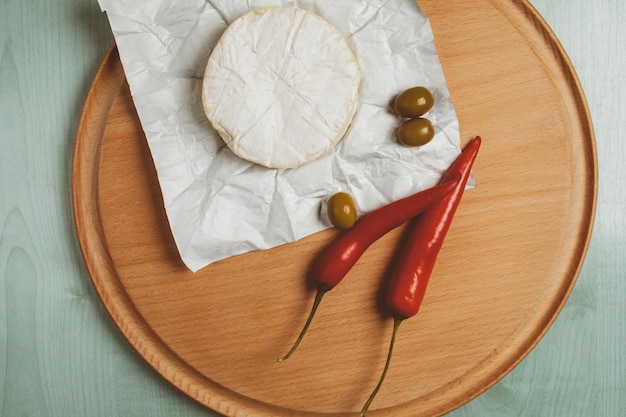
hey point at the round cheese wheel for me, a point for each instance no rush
(281, 86)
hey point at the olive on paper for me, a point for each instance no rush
(341, 210)
(414, 102)
(416, 132)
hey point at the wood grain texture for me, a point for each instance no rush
(60, 355)
(524, 252)
(69, 348)
(579, 368)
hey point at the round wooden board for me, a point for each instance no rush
(509, 262)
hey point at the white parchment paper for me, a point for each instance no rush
(219, 205)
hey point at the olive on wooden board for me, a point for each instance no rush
(416, 132)
(341, 210)
(414, 102)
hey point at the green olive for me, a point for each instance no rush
(416, 132)
(341, 210)
(414, 102)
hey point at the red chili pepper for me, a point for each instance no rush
(338, 258)
(410, 277)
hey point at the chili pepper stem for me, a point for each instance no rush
(396, 324)
(316, 303)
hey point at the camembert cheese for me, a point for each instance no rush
(281, 86)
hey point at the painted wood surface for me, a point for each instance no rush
(60, 354)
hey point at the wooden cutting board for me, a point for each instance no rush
(510, 260)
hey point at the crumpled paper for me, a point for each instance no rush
(219, 205)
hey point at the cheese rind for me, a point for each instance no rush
(281, 86)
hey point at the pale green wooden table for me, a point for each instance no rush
(60, 354)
